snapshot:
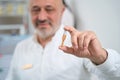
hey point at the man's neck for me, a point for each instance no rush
(42, 41)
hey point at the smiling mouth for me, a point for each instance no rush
(43, 26)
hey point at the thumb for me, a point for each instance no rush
(66, 49)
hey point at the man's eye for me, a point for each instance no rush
(34, 10)
(50, 10)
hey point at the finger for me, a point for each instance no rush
(87, 41)
(69, 29)
(73, 32)
(89, 38)
(81, 40)
(74, 41)
(67, 49)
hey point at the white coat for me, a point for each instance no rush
(51, 63)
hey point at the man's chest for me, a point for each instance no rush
(49, 64)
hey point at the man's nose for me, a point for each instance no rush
(42, 15)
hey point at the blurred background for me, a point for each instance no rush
(100, 16)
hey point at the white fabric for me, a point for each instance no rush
(51, 63)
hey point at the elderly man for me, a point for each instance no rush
(42, 57)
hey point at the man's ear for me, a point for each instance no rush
(63, 9)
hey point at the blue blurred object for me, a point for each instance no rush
(7, 46)
(8, 42)
(1, 70)
(5, 61)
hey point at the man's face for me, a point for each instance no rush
(46, 16)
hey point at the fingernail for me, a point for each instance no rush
(59, 47)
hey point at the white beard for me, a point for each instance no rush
(45, 34)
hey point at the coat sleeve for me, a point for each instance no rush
(109, 70)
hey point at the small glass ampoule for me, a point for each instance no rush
(63, 38)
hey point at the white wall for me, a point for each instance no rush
(101, 16)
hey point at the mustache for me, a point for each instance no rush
(38, 22)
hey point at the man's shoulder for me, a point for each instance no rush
(25, 42)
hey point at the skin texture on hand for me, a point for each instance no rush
(86, 45)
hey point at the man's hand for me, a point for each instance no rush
(86, 45)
